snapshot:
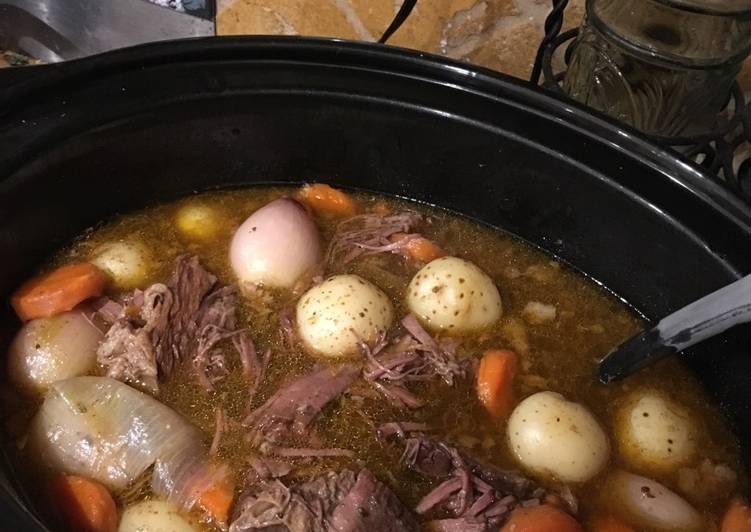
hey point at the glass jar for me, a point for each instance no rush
(663, 66)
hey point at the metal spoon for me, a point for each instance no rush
(707, 317)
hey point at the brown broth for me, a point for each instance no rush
(560, 355)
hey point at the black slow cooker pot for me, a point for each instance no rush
(84, 140)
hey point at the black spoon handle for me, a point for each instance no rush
(707, 317)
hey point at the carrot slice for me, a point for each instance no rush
(495, 381)
(217, 500)
(737, 517)
(327, 201)
(608, 523)
(543, 518)
(83, 505)
(419, 248)
(58, 291)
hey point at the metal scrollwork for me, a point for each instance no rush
(725, 151)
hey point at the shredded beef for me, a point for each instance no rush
(471, 496)
(265, 468)
(462, 524)
(260, 373)
(332, 502)
(368, 234)
(182, 321)
(220, 427)
(293, 408)
(310, 452)
(106, 309)
(440, 356)
(401, 428)
(415, 356)
(399, 396)
(287, 332)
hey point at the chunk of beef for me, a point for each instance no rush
(127, 354)
(305, 508)
(333, 502)
(216, 321)
(184, 320)
(294, 407)
(370, 505)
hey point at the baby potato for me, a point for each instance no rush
(197, 221)
(154, 516)
(47, 350)
(552, 436)
(453, 294)
(655, 432)
(333, 316)
(128, 263)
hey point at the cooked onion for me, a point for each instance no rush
(650, 504)
(105, 430)
(51, 349)
(276, 245)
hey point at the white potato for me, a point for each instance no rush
(655, 432)
(552, 436)
(197, 221)
(128, 263)
(154, 516)
(650, 504)
(454, 295)
(276, 245)
(333, 316)
(48, 350)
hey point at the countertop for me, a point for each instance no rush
(498, 34)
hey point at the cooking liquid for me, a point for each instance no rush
(560, 355)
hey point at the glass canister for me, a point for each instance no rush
(663, 66)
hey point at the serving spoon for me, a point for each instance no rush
(702, 319)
